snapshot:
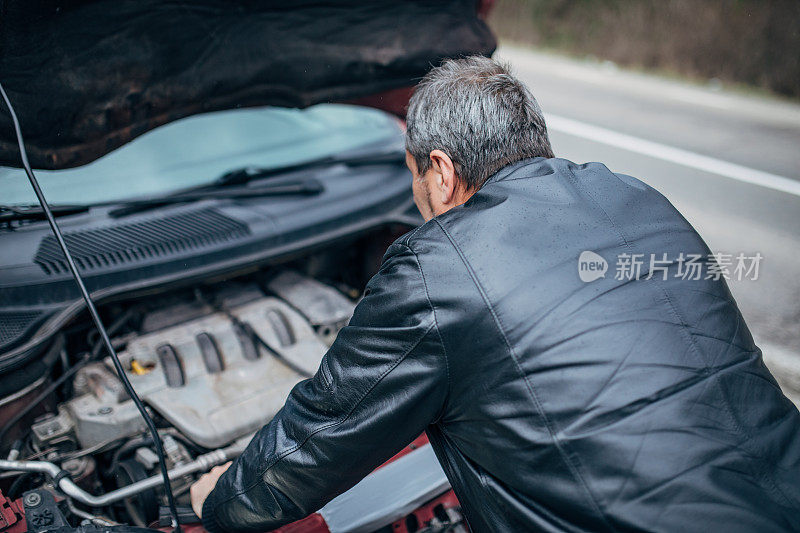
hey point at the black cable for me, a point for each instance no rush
(14, 490)
(273, 352)
(94, 314)
(257, 339)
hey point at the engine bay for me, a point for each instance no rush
(212, 362)
(214, 378)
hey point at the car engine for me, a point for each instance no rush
(212, 366)
(214, 378)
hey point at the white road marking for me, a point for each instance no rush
(673, 155)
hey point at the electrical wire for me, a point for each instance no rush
(14, 490)
(257, 339)
(94, 314)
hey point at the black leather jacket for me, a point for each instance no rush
(553, 404)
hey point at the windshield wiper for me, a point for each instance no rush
(301, 187)
(34, 212)
(243, 175)
(219, 187)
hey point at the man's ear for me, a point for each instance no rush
(446, 179)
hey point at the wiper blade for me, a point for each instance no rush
(245, 174)
(35, 212)
(239, 176)
(303, 187)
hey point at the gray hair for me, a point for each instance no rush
(480, 115)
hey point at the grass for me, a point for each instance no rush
(744, 43)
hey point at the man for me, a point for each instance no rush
(556, 397)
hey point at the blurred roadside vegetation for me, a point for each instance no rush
(751, 42)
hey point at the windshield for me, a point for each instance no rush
(196, 150)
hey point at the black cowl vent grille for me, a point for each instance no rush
(12, 324)
(140, 241)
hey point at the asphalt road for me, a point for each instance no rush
(730, 163)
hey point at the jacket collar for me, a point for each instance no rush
(507, 170)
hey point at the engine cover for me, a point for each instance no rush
(207, 377)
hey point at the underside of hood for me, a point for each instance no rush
(87, 76)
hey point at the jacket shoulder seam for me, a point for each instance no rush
(438, 331)
(406, 239)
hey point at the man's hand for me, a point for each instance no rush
(203, 487)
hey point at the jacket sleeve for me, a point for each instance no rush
(383, 381)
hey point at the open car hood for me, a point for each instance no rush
(87, 76)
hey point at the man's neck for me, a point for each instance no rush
(460, 198)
